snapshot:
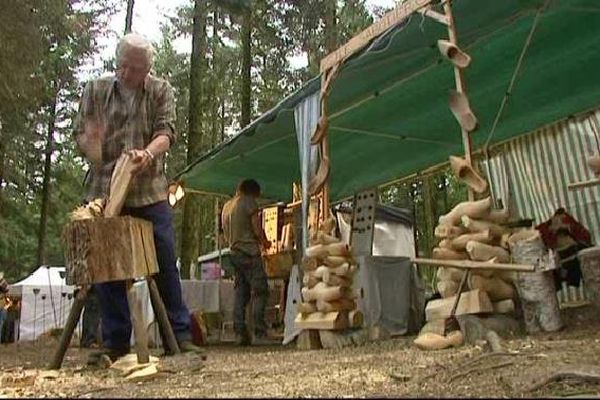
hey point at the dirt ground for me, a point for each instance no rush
(390, 368)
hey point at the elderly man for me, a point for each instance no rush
(133, 112)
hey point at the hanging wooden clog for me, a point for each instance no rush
(459, 105)
(465, 172)
(454, 54)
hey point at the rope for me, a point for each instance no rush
(516, 72)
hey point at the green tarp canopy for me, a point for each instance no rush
(389, 114)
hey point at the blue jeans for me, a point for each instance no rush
(250, 277)
(116, 323)
(3, 315)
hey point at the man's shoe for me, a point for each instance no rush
(186, 346)
(95, 358)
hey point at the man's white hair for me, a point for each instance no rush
(138, 42)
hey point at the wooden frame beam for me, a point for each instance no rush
(468, 264)
(584, 184)
(439, 17)
(362, 39)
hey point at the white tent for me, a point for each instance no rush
(46, 300)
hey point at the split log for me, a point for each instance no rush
(126, 241)
(475, 225)
(336, 305)
(324, 293)
(307, 308)
(496, 288)
(448, 231)
(119, 185)
(483, 252)
(331, 321)
(447, 254)
(471, 302)
(356, 319)
(334, 261)
(473, 209)
(460, 243)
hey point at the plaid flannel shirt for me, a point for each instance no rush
(152, 114)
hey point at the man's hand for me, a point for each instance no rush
(141, 159)
(90, 141)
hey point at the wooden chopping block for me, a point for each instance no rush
(471, 302)
(89, 243)
(473, 209)
(483, 252)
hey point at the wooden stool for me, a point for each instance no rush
(113, 249)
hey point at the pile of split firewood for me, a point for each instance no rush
(329, 270)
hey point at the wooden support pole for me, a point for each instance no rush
(468, 264)
(583, 184)
(460, 87)
(71, 324)
(161, 316)
(137, 320)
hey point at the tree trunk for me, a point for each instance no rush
(330, 26)
(246, 65)
(129, 16)
(192, 212)
(41, 250)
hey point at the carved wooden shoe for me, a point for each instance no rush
(465, 172)
(454, 54)
(459, 105)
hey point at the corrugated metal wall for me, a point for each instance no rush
(531, 173)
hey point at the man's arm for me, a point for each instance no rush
(259, 231)
(88, 127)
(163, 127)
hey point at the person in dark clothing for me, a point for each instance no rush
(245, 235)
(91, 320)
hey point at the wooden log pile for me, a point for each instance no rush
(328, 299)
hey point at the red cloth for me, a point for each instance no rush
(562, 219)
